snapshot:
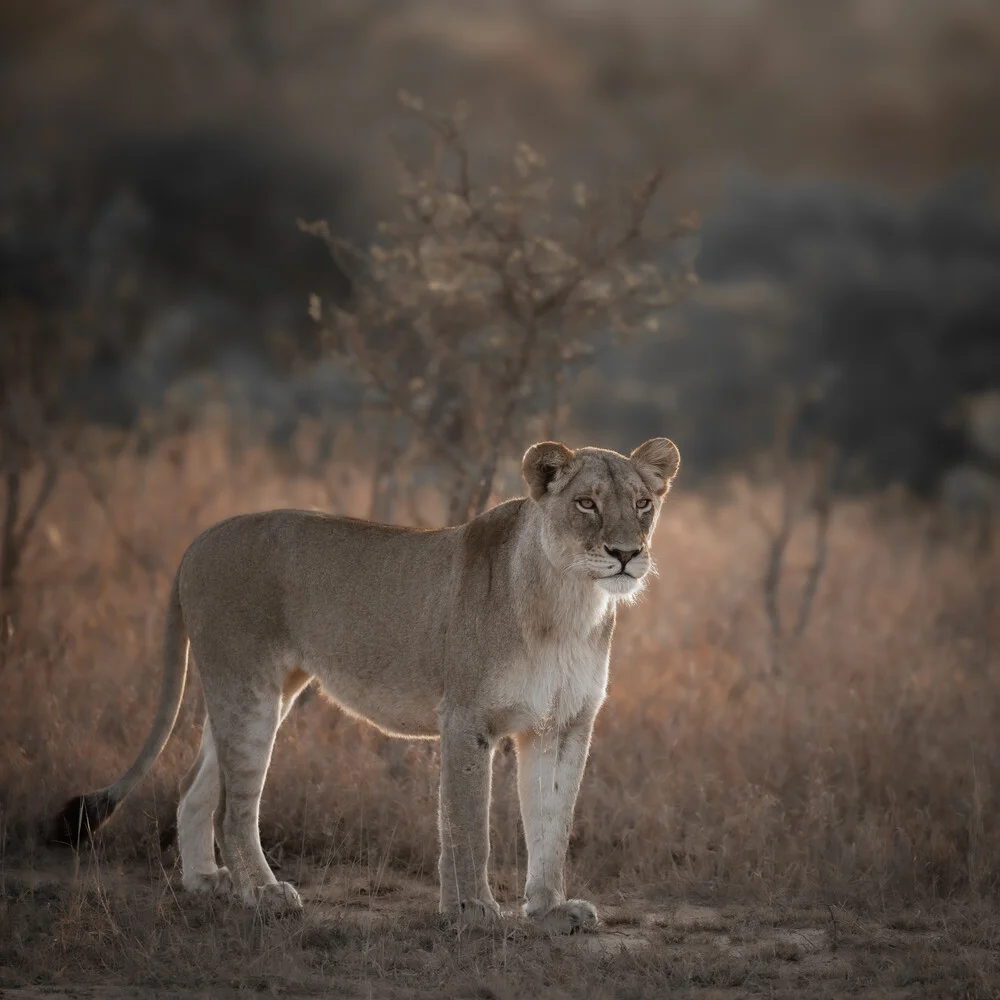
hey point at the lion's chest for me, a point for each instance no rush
(548, 686)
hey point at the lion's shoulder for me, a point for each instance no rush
(493, 530)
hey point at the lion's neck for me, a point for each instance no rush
(552, 603)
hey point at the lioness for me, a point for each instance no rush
(501, 626)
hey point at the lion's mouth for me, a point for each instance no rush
(620, 584)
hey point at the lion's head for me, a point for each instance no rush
(600, 508)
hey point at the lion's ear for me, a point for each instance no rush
(657, 461)
(542, 462)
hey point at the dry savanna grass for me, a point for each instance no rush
(828, 827)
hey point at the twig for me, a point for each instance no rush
(401, 403)
(150, 562)
(775, 564)
(640, 207)
(503, 424)
(823, 512)
(14, 536)
(821, 505)
(42, 497)
(9, 556)
(344, 253)
(760, 518)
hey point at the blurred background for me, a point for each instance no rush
(843, 159)
(358, 254)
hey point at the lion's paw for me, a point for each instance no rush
(571, 917)
(478, 913)
(275, 899)
(214, 883)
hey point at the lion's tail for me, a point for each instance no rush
(82, 815)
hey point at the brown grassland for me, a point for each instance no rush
(825, 829)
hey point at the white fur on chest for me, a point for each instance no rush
(557, 671)
(550, 686)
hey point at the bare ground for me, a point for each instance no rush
(94, 928)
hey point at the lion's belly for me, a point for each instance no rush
(550, 686)
(547, 689)
(395, 710)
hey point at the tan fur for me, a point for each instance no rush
(501, 626)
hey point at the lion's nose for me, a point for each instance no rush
(624, 556)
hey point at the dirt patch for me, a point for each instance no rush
(125, 993)
(99, 929)
(689, 917)
(612, 941)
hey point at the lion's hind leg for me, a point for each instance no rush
(244, 725)
(202, 808)
(195, 830)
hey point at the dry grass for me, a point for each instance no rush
(853, 798)
(130, 933)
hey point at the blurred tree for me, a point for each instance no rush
(472, 309)
(33, 360)
(890, 328)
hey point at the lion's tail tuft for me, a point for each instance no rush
(82, 816)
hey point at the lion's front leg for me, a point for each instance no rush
(466, 769)
(549, 771)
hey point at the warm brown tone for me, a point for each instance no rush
(824, 831)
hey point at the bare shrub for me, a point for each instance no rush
(474, 307)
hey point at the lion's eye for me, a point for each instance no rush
(643, 503)
(585, 503)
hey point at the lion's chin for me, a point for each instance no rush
(620, 585)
